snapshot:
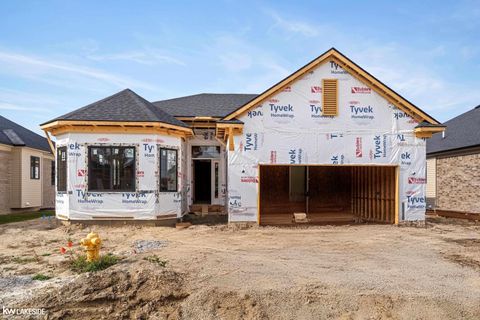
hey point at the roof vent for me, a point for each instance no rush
(443, 134)
(13, 137)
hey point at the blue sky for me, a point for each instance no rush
(56, 56)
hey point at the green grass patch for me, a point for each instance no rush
(24, 216)
(157, 260)
(41, 277)
(80, 264)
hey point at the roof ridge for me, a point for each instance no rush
(204, 93)
(89, 105)
(153, 110)
(461, 115)
(144, 102)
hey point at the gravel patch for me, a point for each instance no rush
(141, 246)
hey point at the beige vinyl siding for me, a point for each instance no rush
(16, 179)
(48, 190)
(5, 163)
(21, 191)
(431, 177)
(31, 188)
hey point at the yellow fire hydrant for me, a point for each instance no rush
(92, 246)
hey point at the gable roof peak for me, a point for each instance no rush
(354, 70)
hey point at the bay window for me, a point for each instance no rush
(111, 168)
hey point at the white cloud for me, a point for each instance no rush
(147, 57)
(245, 67)
(413, 74)
(43, 69)
(293, 26)
(12, 107)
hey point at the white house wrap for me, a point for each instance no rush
(289, 128)
(330, 123)
(145, 202)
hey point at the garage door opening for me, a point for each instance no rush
(326, 194)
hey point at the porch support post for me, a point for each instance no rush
(231, 145)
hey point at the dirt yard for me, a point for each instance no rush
(226, 272)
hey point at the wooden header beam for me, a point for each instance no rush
(427, 132)
(65, 126)
(62, 123)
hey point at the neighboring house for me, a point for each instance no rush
(329, 143)
(453, 164)
(26, 169)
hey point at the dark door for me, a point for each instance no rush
(203, 181)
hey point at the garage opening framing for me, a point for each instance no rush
(330, 194)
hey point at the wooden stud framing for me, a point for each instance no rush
(374, 191)
(397, 187)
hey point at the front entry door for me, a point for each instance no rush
(203, 181)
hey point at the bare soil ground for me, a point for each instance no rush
(226, 272)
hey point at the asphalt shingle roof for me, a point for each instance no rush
(125, 105)
(27, 138)
(462, 131)
(204, 104)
